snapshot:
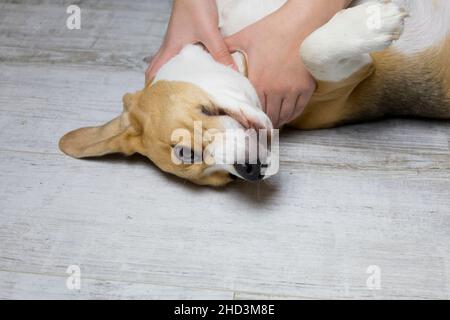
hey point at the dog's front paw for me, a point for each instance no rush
(384, 24)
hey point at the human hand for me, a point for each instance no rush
(275, 67)
(192, 21)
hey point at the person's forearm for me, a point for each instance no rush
(307, 16)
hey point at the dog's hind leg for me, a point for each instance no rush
(338, 56)
(341, 47)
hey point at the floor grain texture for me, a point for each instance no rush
(345, 199)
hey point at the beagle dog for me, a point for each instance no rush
(369, 62)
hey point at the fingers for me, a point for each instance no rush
(273, 109)
(287, 109)
(219, 50)
(231, 42)
(215, 45)
(158, 61)
(302, 102)
(300, 105)
(149, 72)
(261, 95)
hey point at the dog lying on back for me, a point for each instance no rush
(361, 76)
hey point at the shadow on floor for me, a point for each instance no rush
(258, 194)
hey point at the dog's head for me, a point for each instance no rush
(191, 121)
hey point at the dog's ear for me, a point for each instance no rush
(120, 135)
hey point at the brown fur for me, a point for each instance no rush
(146, 125)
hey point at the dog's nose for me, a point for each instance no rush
(250, 172)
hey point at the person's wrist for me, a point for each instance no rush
(193, 3)
(294, 24)
(303, 17)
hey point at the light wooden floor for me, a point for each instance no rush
(344, 200)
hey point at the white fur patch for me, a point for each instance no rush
(427, 26)
(235, 15)
(226, 88)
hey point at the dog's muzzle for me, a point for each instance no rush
(250, 172)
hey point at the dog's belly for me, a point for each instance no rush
(413, 85)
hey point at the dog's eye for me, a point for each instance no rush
(207, 111)
(185, 155)
(212, 111)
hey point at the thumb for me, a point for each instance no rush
(231, 43)
(238, 41)
(160, 59)
(219, 51)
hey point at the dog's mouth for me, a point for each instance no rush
(251, 133)
(244, 153)
(244, 121)
(248, 118)
(233, 177)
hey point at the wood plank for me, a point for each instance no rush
(64, 93)
(310, 236)
(345, 198)
(115, 26)
(15, 285)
